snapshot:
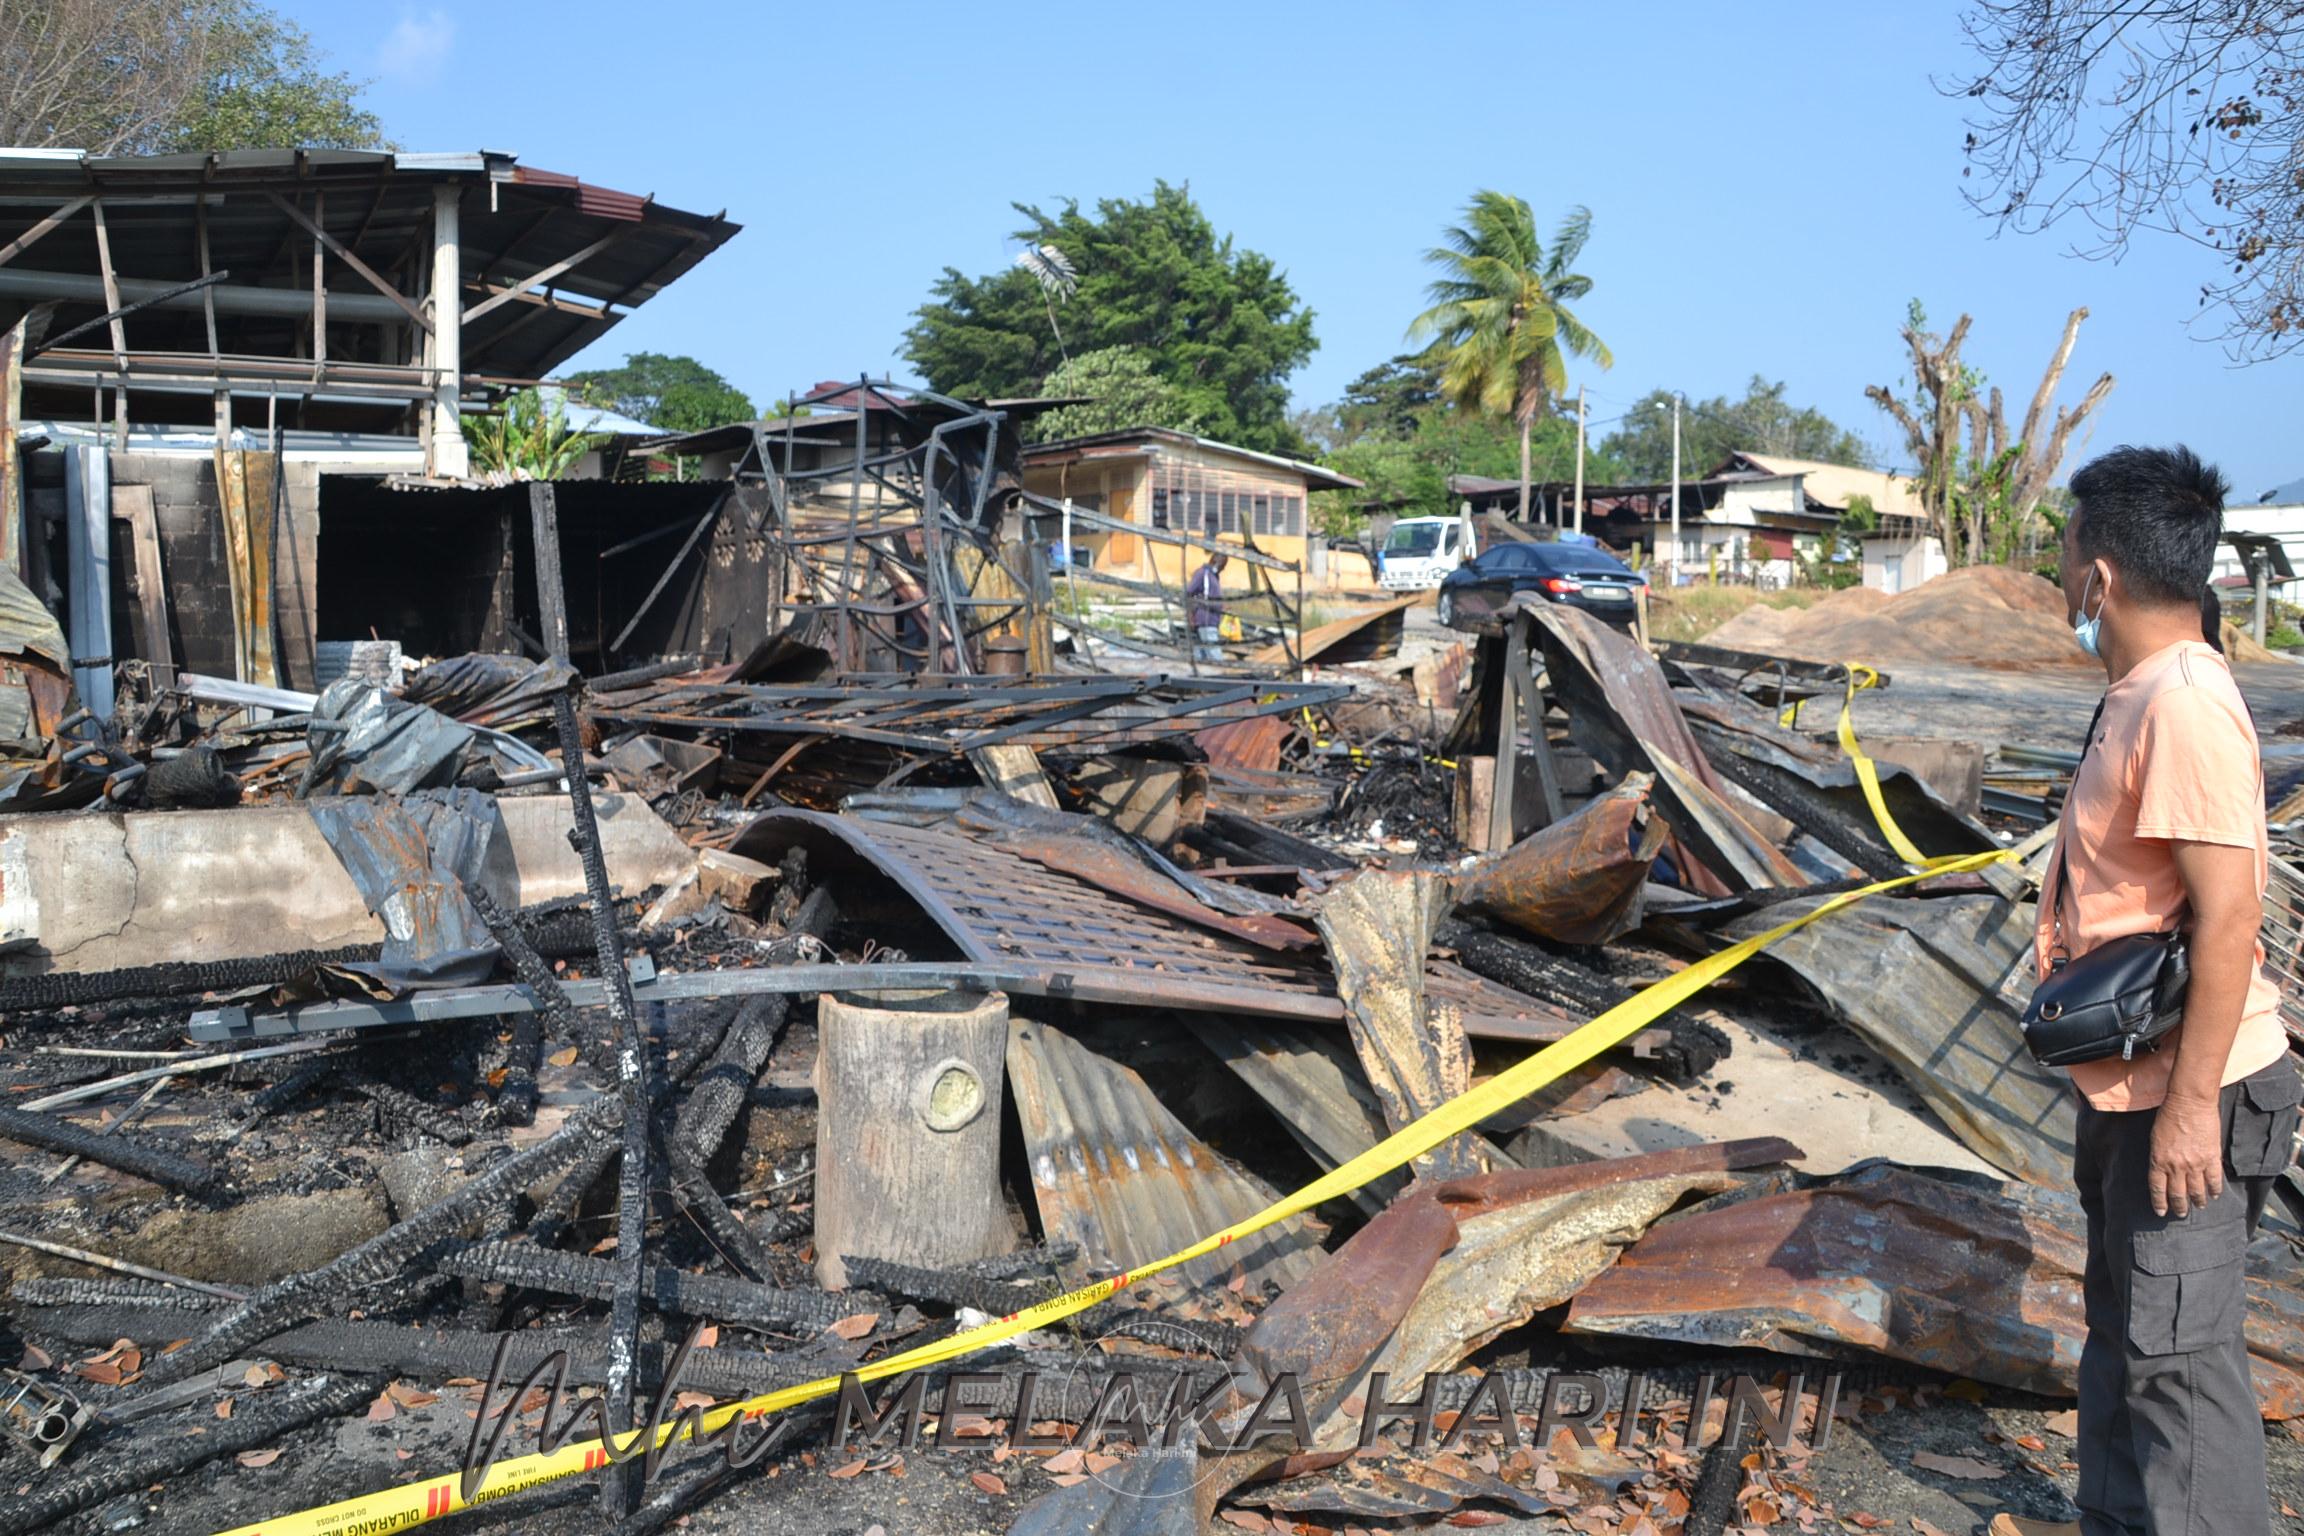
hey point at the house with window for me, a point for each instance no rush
(1753, 517)
(1161, 480)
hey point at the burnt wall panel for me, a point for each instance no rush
(198, 579)
(431, 570)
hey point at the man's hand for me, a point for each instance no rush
(2187, 1156)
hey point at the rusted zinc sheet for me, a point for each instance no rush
(1373, 634)
(1116, 1174)
(245, 493)
(1330, 1330)
(1936, 985)
(1071, 845)
(1250, 744)
(1621, 710)
(1816, 788)
(1312, 1082)
(1974, 1279)
(1577, 881)
(1065, 938)
(1528, 1239)
(994, 905)
(1378, 926)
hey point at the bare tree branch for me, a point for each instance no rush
(2180, 116)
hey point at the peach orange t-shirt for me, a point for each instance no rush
(2174, 758)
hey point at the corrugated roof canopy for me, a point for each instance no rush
(515, 222)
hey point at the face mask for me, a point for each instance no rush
(2089, 631)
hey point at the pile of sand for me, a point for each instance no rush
(1983, 616)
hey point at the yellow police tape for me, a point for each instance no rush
(395, 1509)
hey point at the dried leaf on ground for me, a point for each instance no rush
(382, 1409)
(35, 1359)
(854, 1328)
(566, 1058)
(408, 1396)
(847, 1471)
(224, 1408)
(2066, 1423)
(987, 1482)
(1925, 1529)
(263, 1458)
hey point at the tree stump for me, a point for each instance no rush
(908, 1089)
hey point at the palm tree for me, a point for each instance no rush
(1499, 318)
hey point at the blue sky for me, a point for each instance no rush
(1770, 182)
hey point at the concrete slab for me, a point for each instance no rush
(1832, 1096)
(104, 892)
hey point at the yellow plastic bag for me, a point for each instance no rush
(1228, 629)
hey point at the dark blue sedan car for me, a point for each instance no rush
(1574, 572)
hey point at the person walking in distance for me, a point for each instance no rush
(1206, 591)
(2176, 1149)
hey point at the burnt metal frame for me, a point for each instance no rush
(892, 708)
(920, 507)
(1261, 567)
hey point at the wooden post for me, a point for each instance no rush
(1504, 784)
(119, 332)
(908, 1088)
(13, 544)
(551, 588)
(2261, 568)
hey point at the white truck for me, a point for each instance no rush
(1420, 551)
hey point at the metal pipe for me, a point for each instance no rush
(231, 298)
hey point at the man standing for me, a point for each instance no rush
(1206, 590)
(2176, 1150)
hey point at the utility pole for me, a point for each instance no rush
(1579, 458)
(1676, 546)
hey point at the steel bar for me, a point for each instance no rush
(120, 1266)
(124, 312)
(86, 1091)
(1083, 983)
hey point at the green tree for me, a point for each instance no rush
(1218, 323)
(1124, 392)
(1500, 313)
(1404, 456)
(1761, 422)
(527, 438)
(678, 394)
(1392, 399)
(265, 89)
(135, 77)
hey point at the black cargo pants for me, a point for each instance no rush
(2170, 1440)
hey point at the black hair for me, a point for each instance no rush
(2212, 617)
(2154, 515)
